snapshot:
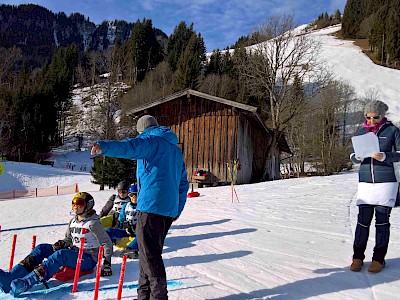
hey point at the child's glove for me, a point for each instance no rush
(60, 244)
(106, 269)
(130, 229)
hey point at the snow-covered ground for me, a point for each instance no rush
(287, 239)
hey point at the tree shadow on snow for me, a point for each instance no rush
(336, 280)
(181, 242)
(206, 258)
(191, 225)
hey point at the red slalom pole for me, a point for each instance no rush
(121, 278)
(78, 265)
(33, 242)
(98, 273)
(13, 251)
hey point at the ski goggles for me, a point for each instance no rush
(78, 202)
(122, 191)
(374, 117)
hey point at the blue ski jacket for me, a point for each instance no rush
(161, 171)
(374, 171)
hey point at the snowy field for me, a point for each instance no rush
(288, 239)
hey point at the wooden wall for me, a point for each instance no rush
(211, 135)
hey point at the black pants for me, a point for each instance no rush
(365, 214)
(151, 230)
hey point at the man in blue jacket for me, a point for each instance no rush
(162, 188)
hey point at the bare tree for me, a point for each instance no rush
(335, 121)
(280, 56)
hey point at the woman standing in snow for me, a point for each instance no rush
(377, 187)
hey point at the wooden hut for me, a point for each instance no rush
(214, 133)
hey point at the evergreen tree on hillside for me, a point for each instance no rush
(215, 64)
(392, 40)
(190, 64)
(177, 43)
(38, 108)
(144, 49)
(352, 18)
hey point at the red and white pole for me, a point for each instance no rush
(33, 241)
(121, 278)
(78, 266)
(13, 251)
(98, 273)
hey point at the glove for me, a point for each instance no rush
(106, 269)
(60, 244)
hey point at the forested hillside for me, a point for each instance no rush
(377, 21)
(38, 32)
(36, 103)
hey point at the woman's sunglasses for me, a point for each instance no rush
(374, 117)
(78, 202)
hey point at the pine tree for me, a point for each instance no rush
(352, 18)
(177, 43)
(190, 64)
(144, 49)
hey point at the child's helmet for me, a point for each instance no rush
(89, 200)
(132, 188)
(123, 185)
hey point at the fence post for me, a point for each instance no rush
(76, 188)
(35, 192)
(57, 189)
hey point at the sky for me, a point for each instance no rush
(221, 23)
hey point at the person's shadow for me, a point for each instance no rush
(336, 280)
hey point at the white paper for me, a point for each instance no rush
(365, 145)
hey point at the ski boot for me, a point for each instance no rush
(6, 277)
(21, 285)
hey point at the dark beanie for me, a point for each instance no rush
(376, 106)
(145, 122)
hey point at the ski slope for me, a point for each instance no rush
(347, 63)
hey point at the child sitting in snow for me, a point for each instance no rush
(127, 225)
(114, 204)
(46, 260)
